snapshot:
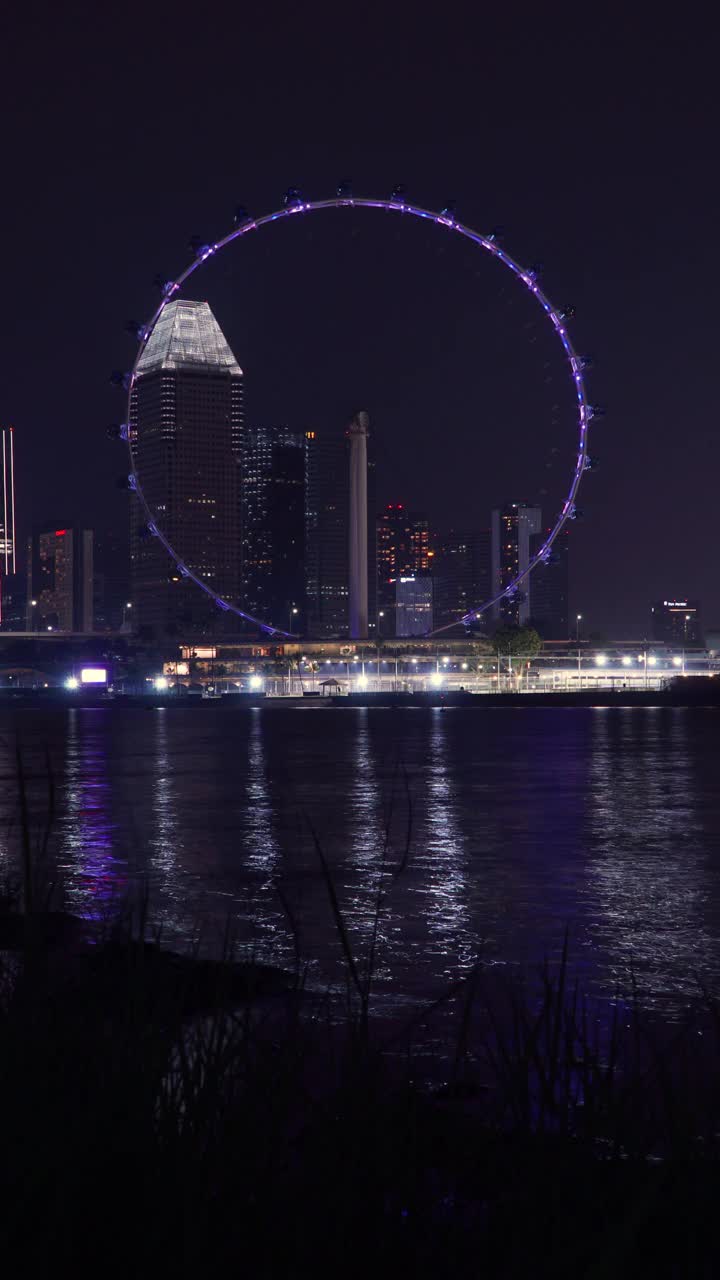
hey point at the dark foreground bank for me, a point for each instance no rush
(154, 1116)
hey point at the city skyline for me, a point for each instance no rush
(461, 564)
(539, 159)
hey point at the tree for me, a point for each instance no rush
(520, 642)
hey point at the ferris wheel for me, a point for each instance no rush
(295, 206)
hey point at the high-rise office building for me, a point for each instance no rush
(677, 622)
(272, 516)
(359, 525)
(461, 571)
(512, 528)
(549, 587)
(403, 550)
(403, 542)
(413, 604)
(186, 417)
(111, 581)
(60, 580)
(327, 535)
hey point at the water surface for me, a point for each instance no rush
(504, 826)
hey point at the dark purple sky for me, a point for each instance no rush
(591, 146)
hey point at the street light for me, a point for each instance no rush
(578, 620)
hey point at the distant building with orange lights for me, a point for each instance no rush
(403, 551)
(60, 580)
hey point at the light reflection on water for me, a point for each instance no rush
(443, 898)
(650, 870)
(524, 821)
(92, 863)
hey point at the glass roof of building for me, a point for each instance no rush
(187, 335)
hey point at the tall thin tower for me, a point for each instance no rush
(358, 432)
(7, 532)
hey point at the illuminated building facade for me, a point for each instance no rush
(413, 605)
(60, 580)
(549, 587)
(186, 417)
(403, 549)
(677, 622)
(272, 516)
(512, 529)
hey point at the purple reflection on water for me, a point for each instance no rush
(94, 876)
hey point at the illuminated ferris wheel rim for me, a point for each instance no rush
(446, 219)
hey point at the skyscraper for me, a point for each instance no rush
(413, 604)
(403, 550)
(461, 571)
(327, 535)
(549, 587)
(111, 581)
(60, 580)
(186, 417)
(357, 434)
(272, 510)
(512, 528)
(677, 622)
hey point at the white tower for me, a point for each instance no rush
(358, 432)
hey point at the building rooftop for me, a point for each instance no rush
(187, 336)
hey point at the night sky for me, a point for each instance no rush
(589, 146)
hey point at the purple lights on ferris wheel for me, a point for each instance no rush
(294, 203)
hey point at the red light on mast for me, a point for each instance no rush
(60, 533)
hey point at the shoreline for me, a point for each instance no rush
(621, 698)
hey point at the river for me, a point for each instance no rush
(499, 828)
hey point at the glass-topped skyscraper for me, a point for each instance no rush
(186, 418)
